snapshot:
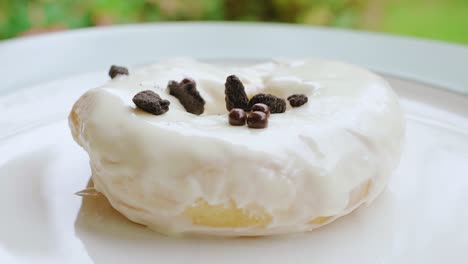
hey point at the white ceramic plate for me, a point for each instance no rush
(421, 218)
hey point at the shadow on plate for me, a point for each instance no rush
(364, 236)
(25, 209)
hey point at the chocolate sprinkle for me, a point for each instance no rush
(188, 95)
(257, 120)
(261, 108)
(117, 70)
(151, 102)
(297, 100)
(237, 117)
(276, 104)
(235, 95)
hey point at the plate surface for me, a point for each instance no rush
(422, 217)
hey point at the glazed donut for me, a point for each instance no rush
(183, 173)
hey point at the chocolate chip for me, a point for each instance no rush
(188, 95)
(261, 108)
(117, 70)
(257, 120)
(297, 100)
(276, 104)
(235, 95)
(151, 102)
(237, 117)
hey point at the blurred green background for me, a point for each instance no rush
(436, 19)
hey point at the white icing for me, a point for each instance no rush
(304, 165)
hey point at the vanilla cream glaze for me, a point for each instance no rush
(318, 161)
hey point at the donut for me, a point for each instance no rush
(178, 166)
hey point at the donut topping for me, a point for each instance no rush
(117, 70)
(276, 104)
(235, 95)
(261, 108)
(151, 102)
(237, 117)
(297, 100)
(257, 119)
(188, 95)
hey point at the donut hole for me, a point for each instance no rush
(284, 86)
(213, 93)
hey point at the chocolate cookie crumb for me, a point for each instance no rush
(276, 104)
(188, 95)
(297, 100)
(257, 120)
(187, 80)
(237, 117)
(151, 102)
(261, 108)
(235, 95)
(117, 70)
